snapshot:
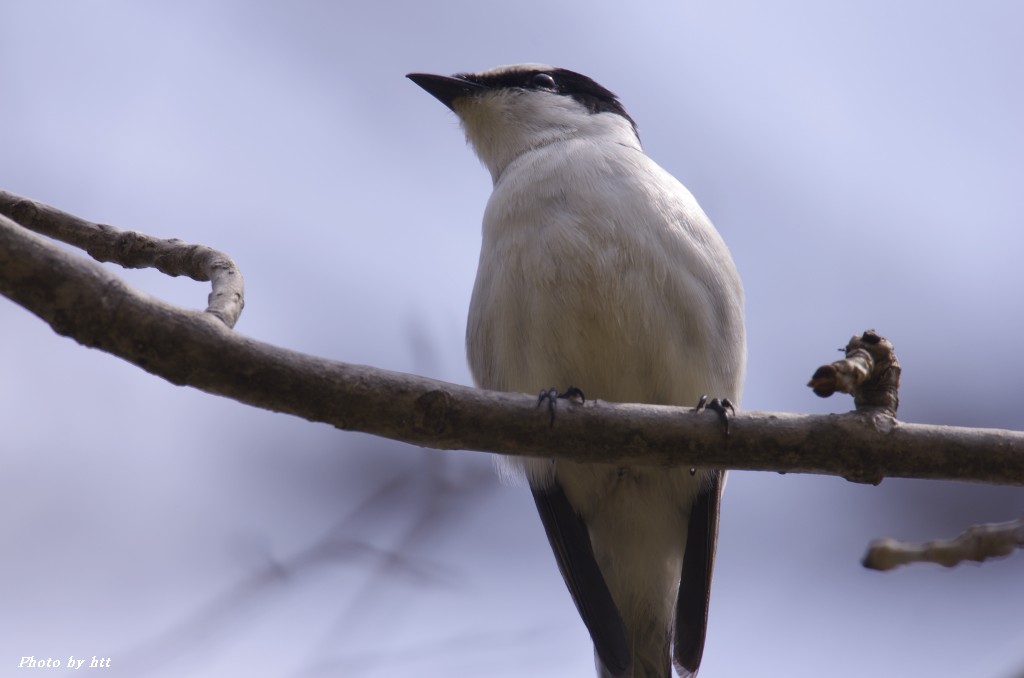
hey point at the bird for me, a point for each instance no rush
(599, 270)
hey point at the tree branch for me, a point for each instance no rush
(81, 299)
(977, 543)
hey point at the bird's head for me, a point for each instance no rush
(510, 110)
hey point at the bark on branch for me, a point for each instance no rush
(81, 299)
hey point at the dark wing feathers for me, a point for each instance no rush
(575, 555)
(695, 579)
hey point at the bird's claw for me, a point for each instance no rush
(722, 406)
(552, 395)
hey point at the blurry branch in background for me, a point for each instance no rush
(977, 543)
(423, 499)
(81, 299)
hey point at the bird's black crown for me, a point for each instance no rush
(591, 95)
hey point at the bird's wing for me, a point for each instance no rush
(575, 555)
(695, 581)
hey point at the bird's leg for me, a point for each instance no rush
(722, 406)
(552, 395)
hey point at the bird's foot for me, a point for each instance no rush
(551, 395)
(722, 406)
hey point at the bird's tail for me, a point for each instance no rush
(651, 656)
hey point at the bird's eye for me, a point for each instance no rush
(543, 81)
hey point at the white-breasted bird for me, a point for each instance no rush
(598, 269)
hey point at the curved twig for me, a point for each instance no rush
(870, 372)
(131, 249)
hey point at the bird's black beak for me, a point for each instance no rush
(444, 88)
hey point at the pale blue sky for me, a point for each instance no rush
(864, 162)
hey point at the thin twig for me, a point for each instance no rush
(978, 543)
(131, 249)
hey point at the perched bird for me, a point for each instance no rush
(599, 270)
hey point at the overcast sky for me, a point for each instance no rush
(863, 161)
